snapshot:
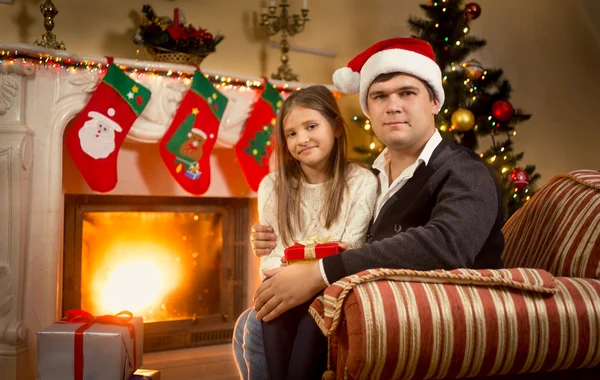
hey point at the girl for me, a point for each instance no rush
(315, 191)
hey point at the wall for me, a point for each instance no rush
(548, 51)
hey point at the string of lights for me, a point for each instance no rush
(54, 62)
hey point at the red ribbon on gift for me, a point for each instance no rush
(82, 316)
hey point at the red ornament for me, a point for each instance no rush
(502, 110)
(472, 11)
(520, 178)
(207, 37)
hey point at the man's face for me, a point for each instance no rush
(401, 112)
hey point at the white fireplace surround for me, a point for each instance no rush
(36, 103)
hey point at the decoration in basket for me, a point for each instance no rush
(172, 41)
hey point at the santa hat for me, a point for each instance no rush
(105, 119)
(403, 55)
(199, 132)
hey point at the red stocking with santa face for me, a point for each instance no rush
(100, 129)
(185, 148)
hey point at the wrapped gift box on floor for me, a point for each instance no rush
(84, 347)
(311, 249)
(146, 374)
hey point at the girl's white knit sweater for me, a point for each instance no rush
(350, 227)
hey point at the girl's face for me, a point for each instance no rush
(309, 137)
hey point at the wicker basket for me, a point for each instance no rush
(169, 56)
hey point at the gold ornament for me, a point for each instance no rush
(463, 120)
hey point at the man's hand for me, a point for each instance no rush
(272, 272)
(263, 239)
(289, 288)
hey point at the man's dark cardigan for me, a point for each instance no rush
(448, 215)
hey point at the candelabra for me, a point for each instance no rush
(288, 26)
(49, 39)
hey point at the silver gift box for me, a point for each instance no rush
(107, 351)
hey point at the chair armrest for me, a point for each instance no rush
(407, 329)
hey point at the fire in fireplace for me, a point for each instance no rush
(176, 261)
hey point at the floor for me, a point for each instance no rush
(211, 362)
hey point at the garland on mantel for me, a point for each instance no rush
(191, 121)
(140, 69)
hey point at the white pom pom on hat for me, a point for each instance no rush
(404, 55)
(346, 80)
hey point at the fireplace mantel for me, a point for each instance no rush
(36, 103)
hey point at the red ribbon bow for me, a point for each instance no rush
(82, 316)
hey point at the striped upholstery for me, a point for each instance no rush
(558, 229)
(421, 330)
(518, 278)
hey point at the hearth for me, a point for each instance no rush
(176, 261)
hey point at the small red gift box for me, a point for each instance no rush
(310, 250)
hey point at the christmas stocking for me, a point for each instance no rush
(185, 148)
(254, 148)
(98, 132)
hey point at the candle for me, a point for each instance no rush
(176, 17)
(264, 10)
(305, 4)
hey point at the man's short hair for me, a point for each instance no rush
(387, 76)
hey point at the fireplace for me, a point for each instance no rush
(176, 261)
(37, 251)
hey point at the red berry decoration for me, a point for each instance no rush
(207, 37)
(520, 178)
(472, 11)
(502, 110)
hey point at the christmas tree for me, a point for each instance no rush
(366, 153)
(477, 98)
(258, 145)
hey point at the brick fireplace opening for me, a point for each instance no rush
(177, 261)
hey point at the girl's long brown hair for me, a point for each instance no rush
(287, 183)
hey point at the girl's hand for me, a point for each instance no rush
(343, 246)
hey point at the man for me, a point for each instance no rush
(438, 207)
